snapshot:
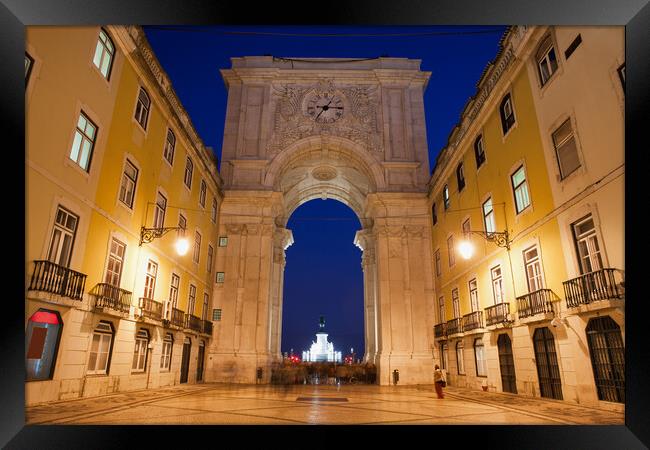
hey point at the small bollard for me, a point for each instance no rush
(259, 375)
(395, 377)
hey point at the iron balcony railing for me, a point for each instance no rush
(540, 301)
(498, 313)
(602, 284)
(112, 297)
(440, 330)
(473, 320)
(207, 327)
(55, 279)
(454, 326)
(151, 308)
(193, 323)
(177, 317)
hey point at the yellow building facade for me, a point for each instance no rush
(115, 174)
(507, 317)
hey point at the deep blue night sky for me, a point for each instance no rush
(323, 273)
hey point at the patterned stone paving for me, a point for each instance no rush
(250, 404)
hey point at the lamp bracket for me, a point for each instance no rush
(500, 238)
(147, 235)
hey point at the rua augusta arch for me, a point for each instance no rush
(350, 130)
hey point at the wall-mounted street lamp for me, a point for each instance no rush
(147, 235)
(500, 238)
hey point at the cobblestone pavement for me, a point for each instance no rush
(307, 404)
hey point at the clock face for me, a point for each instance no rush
(325, 108)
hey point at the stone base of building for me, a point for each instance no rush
(413, 368)
(239, 367)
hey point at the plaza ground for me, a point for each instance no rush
(216, 403)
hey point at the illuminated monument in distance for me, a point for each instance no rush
(321, 350)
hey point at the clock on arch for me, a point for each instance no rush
(325, 107)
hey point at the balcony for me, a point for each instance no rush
(454, 326)
(177, 317)
(55, 279)
(111, 297)
(193, 323)
(537, 302)
(151, 308)
(473, 321)
(604, 284)
(440, 330)
(499, 313)
(207, 327)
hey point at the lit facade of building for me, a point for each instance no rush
(109, 150)
(539, 312)
(321, 350)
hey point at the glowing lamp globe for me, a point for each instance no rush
(466, 249)
(182, 246)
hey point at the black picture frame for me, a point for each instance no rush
(634, 14)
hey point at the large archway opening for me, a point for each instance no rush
(323, 277)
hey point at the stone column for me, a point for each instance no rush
(366, 242)
(282, 239)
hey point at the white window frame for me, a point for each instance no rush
(438, 263)
(455, 302)
(166, 353)
(115, 263)
(182, 221)
(191, 300)
(473, 294)
(139, 363)
(460, 357)
(221, 277)
(498, 292)
(481, 363)
(170, 147)
(479, 151)
(445, 197)
(61, 232)
(594, 253)
(210, 257)
(128, 181)
(174, 286)
(85, 133)
(142, 110)
(196, 256)
(160, 210)
(533, 269)
(203, 191)
(104, 333)
(519, 188)
(441, 309)
(104, 54)
(460, 176)
(213, 213)
(506, 103)
(559, 146)
(450, 250)
(189, 172)
(204, 311)
(489, 220)
(542, 59)
(150, 278)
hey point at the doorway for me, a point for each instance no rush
(507, 364)
(185, 359)
(199, 364)
(550, 384)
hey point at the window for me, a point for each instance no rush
(191, 300)
(140, 350)
(189, 167)
(173, 290)
(213, 215)
(466, 227)
(488, 216)
(104, 54)
(204, 311)
(566, 149)
(586, 241)
(170, 145)
(42, 334)
(460, 356)
(450, 251)
(150, 279)
(221, 277)
(115, 262)
(65, 226)
(460, 177)
(202, 193)
(434, 214)
(520, 189)
(455, 302)
(507, 114)
(159, 212)
(621, 75)
(210, 253)
(83, 142)
(445, 196)
(572, 48)
(29, 63)
(438, 264)
(223, 241)
(182, 221)
(479, 355)
(546, 60)
(142, 108)
(166, 356)
(129, 180)
(533, 269)
(473, 294)
(197, 247)
(216, 314)
(441, 309)
(497, 284)
(444, 357)
(100, 349)
(479, 151)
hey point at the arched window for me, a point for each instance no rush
(104, 54)
(140, 350)
(479, 357)
(479, 151)
(170, 145)
(507, 113)
(189, 168)
(546, 60)
(100, 348)
(607, 358)
(43, 335)
(460, 355)
(142, 108)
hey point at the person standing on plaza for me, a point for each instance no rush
(439, 381)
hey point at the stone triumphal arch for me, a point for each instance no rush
(350, 130)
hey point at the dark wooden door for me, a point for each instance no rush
(199, 365)
(607, 358)
(550, 384)
(185, 360)
(507, 364)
